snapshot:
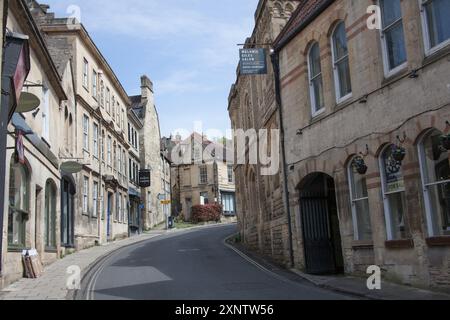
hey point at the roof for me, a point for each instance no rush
(197, 138)
(60, 26)
(305, 13)
(38, 44)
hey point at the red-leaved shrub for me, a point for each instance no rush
(206, 213)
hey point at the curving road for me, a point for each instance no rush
(193, 265)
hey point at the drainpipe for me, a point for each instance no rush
(4, 103)
(276, 67)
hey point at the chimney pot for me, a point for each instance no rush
(146, 83)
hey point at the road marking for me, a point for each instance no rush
(188, 250)
(256, 264)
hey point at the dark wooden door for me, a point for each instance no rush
(318, 243)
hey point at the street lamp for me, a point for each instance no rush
(16, 67)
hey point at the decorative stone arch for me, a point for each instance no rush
(382, 147)
(289, 8)
(421, 136)
(310, 39)
(335, 18)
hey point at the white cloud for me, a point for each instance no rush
(181, 82)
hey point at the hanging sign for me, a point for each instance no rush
(145, 180)
(20, 149)
(253, 61)
(71, 167)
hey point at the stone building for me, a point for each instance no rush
(32, 216)
(135, 125)
(252, 105)
(202, 177)
(100, 121)
(365, 114)
(149, 137)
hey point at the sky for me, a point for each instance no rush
(188, 48)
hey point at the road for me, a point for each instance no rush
(193, 265)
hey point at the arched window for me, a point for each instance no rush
(315, 80)
(50, 215)
(393, 186)
(19, 204)
(341, 65)
(360, 204)
(435, 169)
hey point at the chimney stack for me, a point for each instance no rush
(44, 7)
(146, 87)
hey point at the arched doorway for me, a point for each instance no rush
(68, 191)
(320, 224)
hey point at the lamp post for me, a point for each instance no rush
(15, 69)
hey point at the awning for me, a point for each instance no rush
(134, 193)
(19, 123)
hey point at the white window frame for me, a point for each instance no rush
(109, 151)
(95, 190)
(86, 121)
(387, 208)
(314, 113)
(108, 100)
(337, 84)
(353, 201)
(94, 84)
(387, 71)
(425, 186)
(426, 31)
(96, 135)
(85, 195)
(86, 74)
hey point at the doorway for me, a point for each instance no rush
(68, 191)
(320, 225)
(109, 214)
(188, 209)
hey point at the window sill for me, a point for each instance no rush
(443, 241)
(436, 54)
(16, 249)
(51, 250)
(362, 244)
(318, 114)
(394, 76)
(400, 244)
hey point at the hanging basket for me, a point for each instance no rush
(398, 153)
(360, 166)
(445, 141)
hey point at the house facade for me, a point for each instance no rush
(32, 216)
(149, 137)
(365, 114)
(252, 105)
(200, 177)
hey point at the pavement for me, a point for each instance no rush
(52, 285)
(194, 265)
(354, 286)
(358, 287)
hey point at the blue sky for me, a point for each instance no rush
(187, 47)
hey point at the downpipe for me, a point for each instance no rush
(276, 67)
